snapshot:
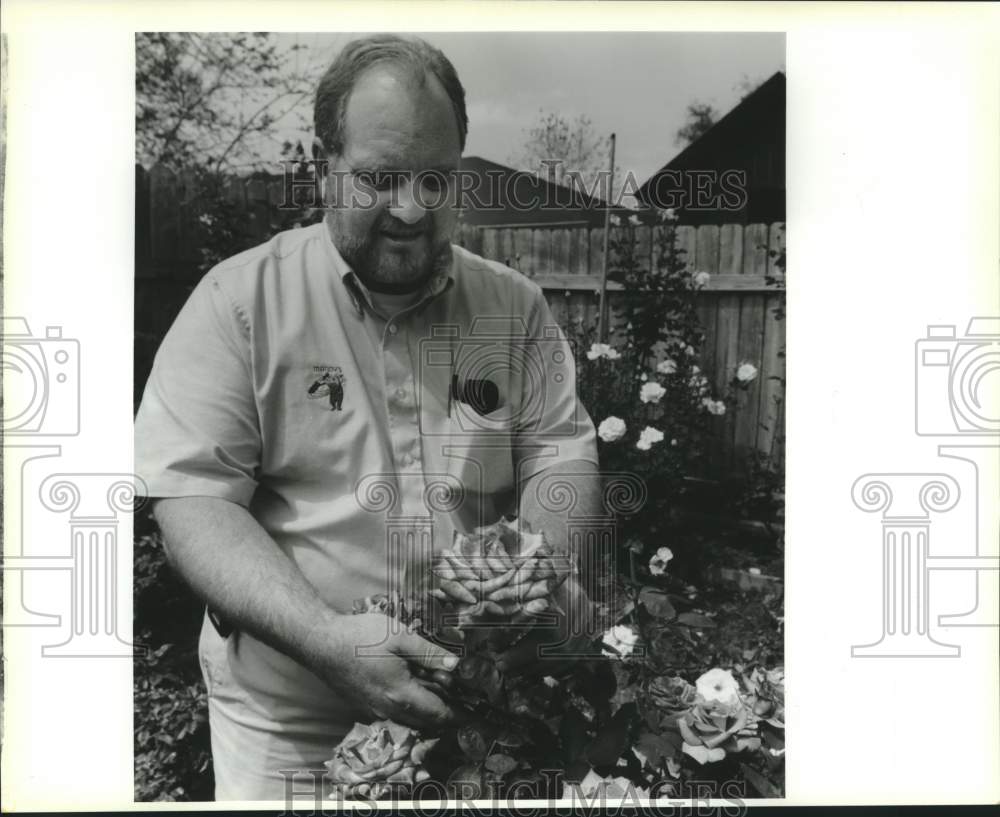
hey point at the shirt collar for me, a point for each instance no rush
(439, 283)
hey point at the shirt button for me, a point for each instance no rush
(393, 329)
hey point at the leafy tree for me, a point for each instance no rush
(557, 147)
(212, 100)
(701, 117)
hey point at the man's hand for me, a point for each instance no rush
(350, 654)
(551, 650)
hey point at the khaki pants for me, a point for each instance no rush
(264, 745)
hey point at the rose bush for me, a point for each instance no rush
(616, 725)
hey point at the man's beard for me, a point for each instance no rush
(382, 270)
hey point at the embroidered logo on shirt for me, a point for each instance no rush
(327, 381)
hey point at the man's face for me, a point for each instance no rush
(391, 220)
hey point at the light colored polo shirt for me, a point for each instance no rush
(282, 388)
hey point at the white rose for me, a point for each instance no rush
(611, 429)
(648, 437)
(746, 372)
(718, 685)
(670, 214)
(666, 366)
(716, 407)
(658, 564)
(701, 278)
(615, 221)
(689, 351)
(651, 392)
(621, 638)
(634, 221)
(602, 350)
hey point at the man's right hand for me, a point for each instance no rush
(360, 657)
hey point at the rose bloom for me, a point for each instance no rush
(615, 221)
(611, 429)
(634, 221)
(746, 372)
(667, 366)
(672, 694)
(716, 407)
(602, 350)
(651, 392)
(701, 278)
(718, 686)
(658, 564)
(622, 639)
(670, 214)
(648, 437)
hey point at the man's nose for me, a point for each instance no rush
(408, 207)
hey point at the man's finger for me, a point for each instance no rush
(422, 652)
(415, 706)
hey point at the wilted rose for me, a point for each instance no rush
(373, 756)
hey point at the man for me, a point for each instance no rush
(277, 509)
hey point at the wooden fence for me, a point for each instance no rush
(737, 308)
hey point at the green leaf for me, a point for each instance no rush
(610, 742)
(654, 748)
(656, 603)
(764, 786)
(695, 620)
(501, 764)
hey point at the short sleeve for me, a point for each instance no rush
(553, 424)
(197, 431)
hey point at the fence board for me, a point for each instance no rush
(750, 349)
(770, 432)
(687, 240)
(596, 244)
(776, 243)
(755, 249)
(727, 330)
(731, 249)
(560, 252)
(522, 252)
(707, 248)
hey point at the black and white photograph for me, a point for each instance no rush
(406, 407)
(459, 379)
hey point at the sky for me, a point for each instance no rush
(635, 84)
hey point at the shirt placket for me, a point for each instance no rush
(401, 405)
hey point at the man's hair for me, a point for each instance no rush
(357, 57)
